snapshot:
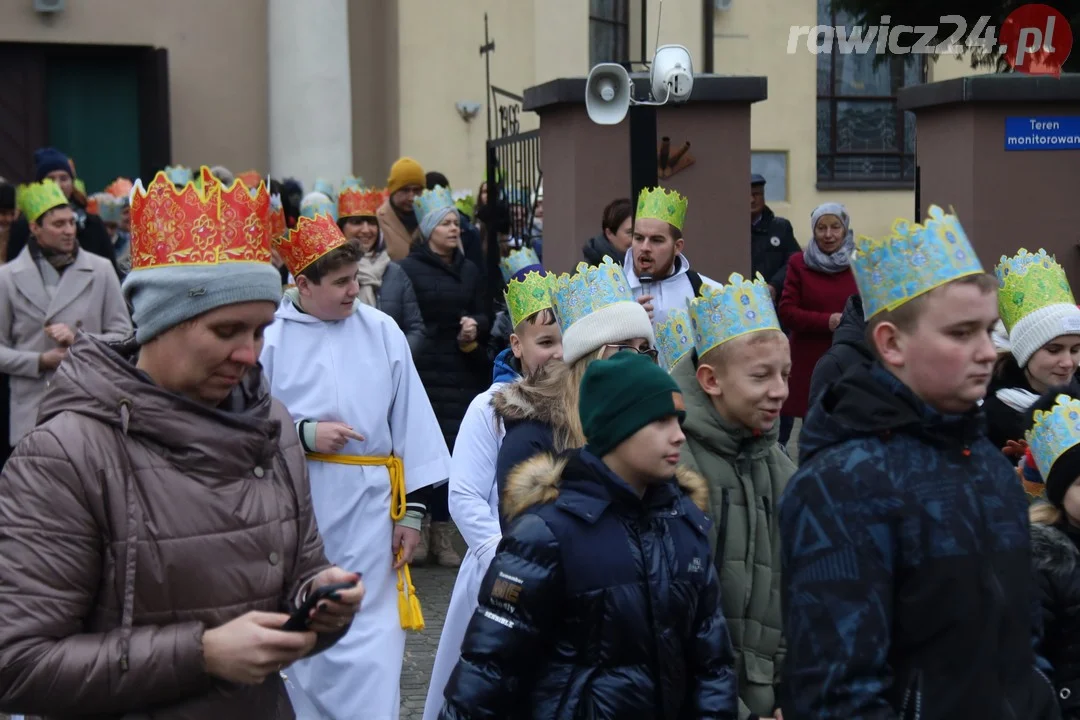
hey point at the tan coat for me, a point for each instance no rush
(398, 240)
(132, 520)
(88, 298)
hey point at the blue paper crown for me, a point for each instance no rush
(319, 206)
(438, 198)
(179, 175)
(353, 181)
(517, 196)
(912, 261)
(729, 311)
(1054, 432)
(675, 337)
(516, 261)
(324, 187)
(589, 289)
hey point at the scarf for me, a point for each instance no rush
(58, 260)
(838, 261)
(370, 275)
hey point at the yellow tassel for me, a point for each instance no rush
(412, 618)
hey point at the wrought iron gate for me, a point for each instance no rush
(514, 176)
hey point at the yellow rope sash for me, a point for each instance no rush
(412, 618)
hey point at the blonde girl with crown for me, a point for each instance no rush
(1043, 323)
(598, 317)
(535, 342)
(1054, 438)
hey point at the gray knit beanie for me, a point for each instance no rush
(163, 297)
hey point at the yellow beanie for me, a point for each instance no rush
(404, 172)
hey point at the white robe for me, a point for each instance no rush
(474, 505)
(358, 371)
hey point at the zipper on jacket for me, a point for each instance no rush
(721, 533)
(914, 690)
(635, 525)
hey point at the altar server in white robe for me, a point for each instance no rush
(474, 495)
(345, 372)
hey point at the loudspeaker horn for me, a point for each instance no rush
(607, 94)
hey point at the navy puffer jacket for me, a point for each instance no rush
(598, 604)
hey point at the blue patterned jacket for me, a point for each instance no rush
(907, 582)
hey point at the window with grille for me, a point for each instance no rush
(609, 31)
(862, 137)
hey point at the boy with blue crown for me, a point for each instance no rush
(734, 380)
(474, 494)
(659, 274)
(907, 581)
(345, 372)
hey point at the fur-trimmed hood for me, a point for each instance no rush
(537, 481)
(522, 400)
(1052, 550)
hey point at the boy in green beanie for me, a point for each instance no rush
(734, 392)
(601, 601)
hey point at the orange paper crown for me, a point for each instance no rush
(354, 202)
(251, 178)
(308, 241)
(120, 187)
(193, 226)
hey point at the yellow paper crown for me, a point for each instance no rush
(912, 261)
(36, 199)
(661, 204)
(1030, 282)
(528, 295)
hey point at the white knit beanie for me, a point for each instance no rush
(615, 323)
(1033, 331)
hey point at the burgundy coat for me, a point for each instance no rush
(810, 298)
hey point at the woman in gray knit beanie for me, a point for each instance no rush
(160, 514)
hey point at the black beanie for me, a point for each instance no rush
(7, 196)
(623, 394)
(47, 160)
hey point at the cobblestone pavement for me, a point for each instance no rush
(433, 587)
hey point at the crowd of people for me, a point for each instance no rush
(240, 414)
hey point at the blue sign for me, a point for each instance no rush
(1042, 133)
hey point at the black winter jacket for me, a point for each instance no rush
(849, 349)
(599, 247)
(1057, 570)
(598, 604)
(1003, 423)
(907, 581)
(447, 293)
(768, 256)
(397, 299)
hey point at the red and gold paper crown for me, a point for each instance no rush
(308, 241)
(278, 225)
(198, 226)
(356, 202)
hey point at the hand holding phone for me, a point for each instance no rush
(301, 619)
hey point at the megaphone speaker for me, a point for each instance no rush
(607, 94)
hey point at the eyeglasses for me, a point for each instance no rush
(653, 353)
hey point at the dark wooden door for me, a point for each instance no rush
(23, 115)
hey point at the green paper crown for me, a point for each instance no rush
(1030, 282)
(35, 199)
(660, 204)
(527, 296)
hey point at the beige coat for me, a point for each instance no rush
(398, 240)
(88, 298)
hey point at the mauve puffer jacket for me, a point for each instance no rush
(133, 519)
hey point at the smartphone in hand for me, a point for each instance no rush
(299, 620)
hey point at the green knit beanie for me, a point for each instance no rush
(621, 395)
